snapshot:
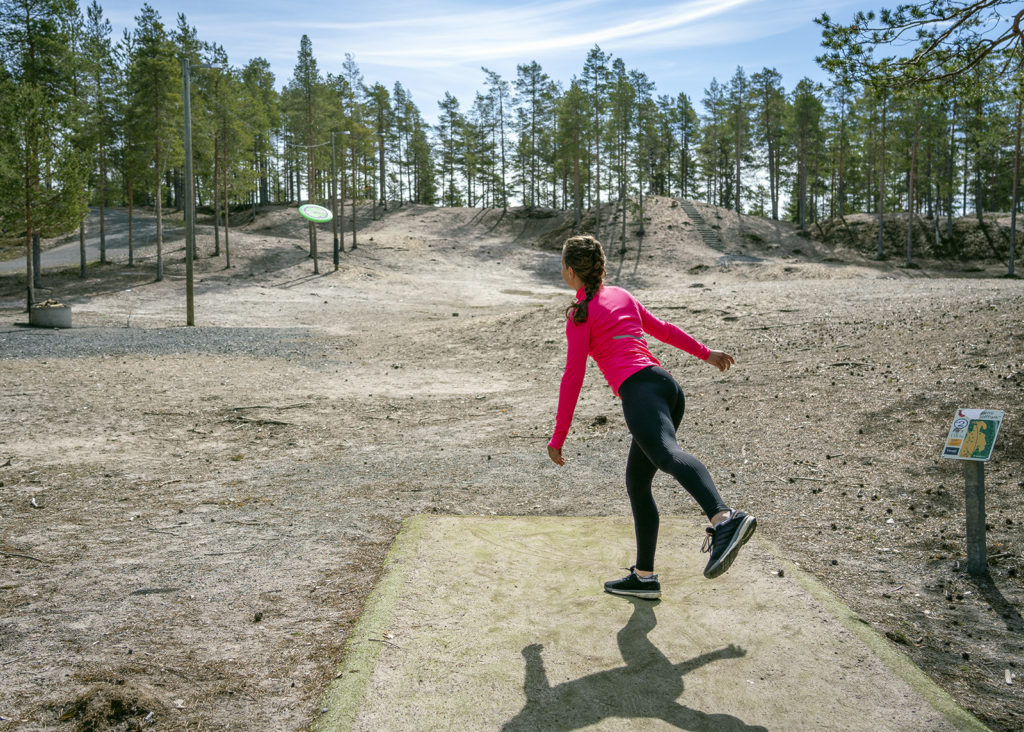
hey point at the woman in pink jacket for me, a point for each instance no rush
(607, 323)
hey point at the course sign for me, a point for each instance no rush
(316, 214)
(973, 434)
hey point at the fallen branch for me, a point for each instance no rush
(272, 406)
(23, 556)
(781, 325)
(240, 551)
(802, 477)
(247, 420)
(381, 640)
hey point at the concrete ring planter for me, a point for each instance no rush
(50, 316)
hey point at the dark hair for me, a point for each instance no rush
(586, 257)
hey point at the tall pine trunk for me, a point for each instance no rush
(739, 187)
(81, 249)
(159, 220)
(881, 186)
(910, 195)
(949, 171)
(1016, 192)
(216, 196)
(383, 182)
(597, 180)
(227, 223)
(131, 221)
(103, 205)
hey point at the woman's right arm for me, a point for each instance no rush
(578, 347)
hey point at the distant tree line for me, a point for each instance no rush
(87, 119)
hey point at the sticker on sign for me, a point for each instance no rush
(973, 434)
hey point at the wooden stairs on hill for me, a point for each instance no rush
(707, 233)
(710, 237)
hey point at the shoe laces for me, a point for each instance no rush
(709, 540)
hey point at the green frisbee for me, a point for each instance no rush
(316, 214)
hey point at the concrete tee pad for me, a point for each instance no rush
(502, 623)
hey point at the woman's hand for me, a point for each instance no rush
(556, 455)
(721, 360)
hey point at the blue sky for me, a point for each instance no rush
(433, 47)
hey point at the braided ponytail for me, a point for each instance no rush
(586, 257)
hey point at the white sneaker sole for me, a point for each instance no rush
(646, 595)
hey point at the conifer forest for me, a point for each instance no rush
(91, 120)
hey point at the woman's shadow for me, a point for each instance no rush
(646, 687)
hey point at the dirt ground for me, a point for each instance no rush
(191, 519)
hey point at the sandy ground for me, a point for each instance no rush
(192, 518)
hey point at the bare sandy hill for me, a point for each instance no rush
(192, 518)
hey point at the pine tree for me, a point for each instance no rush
(130, 159)
(687, 126)
(42, 183)
(955, 36)
(739, 109)
(381, 114)
(448, 124)
(479, 152)
(645, 135)
(402, 106)
(499, 94)
(572, 127)
(155, 90)
(595, 81)
(263, 105)
(621, 118)
(101, 87)
(769, 111)
(422, 157)
(805, 139)
(359, 137)
(715, 148)
(534, 97)
(304, 99)
(234, 139)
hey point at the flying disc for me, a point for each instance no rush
(316, 214)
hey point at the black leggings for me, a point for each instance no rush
(653, 404)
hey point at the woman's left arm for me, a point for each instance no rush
(672, 334)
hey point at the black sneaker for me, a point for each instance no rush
(633, 584)
(724, 541)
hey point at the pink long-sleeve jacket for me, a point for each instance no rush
(613, 335)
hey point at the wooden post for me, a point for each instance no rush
(974, 490)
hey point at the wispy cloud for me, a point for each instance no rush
(433, 46)
(524, 32)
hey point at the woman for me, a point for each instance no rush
(608, 323)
